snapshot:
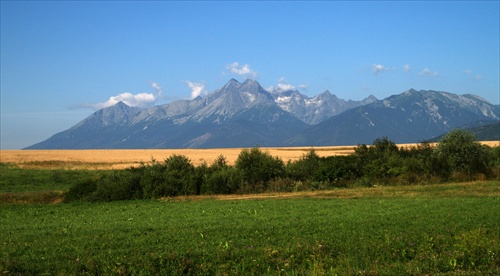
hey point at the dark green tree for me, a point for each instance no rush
(380, 160)
(460, 151)
(256, 167)
(305, 168)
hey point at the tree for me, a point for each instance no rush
(258, 167)
(380, 160)
(180, 175)
(460, 151)
(305, 168)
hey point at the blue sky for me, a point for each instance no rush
(60, 61)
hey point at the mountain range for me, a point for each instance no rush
(246, 115)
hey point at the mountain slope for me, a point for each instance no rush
(483, 130)
(102, 129)
(246, 115)
(408, 117)
(236, 115)
(318, 108)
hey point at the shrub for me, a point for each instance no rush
(305, 167)
(83, 191)
(257, 167)
(382, 146)
(222, 181)
(119, 185)
(281, 185)
(219, 163)
(153, 180)
(493, 163)
(459, 151)
(382, 160)
(179, 176)
(175, 176)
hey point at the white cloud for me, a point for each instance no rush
(284, 86)
(158, 89)
(139, 100)
(196, 88)
(471, 76)
(379, 68)
(428, 73)
(241, 70)
(406, 68)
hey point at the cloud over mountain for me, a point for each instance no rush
(428, 73)
(241, 70)
(138, 100)
(196, 88)
(158, 89)
(283, 85)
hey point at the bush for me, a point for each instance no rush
(153, 180)
(257, 168)
(459, 151)
(304, 168)
(457, 157)
(493, 163)
(120, 185)
(81, 191)
(173, 177)
(179, 176)
(222, 181)
(381, 160)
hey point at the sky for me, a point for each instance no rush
(63, 60)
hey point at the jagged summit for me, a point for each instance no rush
(370, 99)
(316, 109)
(232, 84)
(121, 104)
(245, 114)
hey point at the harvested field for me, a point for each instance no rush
(119, 159)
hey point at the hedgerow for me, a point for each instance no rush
(458, 157)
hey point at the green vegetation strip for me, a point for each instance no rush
(16, 180)
(365, 235)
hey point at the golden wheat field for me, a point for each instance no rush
(119, 159)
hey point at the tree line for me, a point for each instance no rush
(457, 157)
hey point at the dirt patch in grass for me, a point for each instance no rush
(469, 189)
(52, 197)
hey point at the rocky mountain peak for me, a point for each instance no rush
(231, 85)
(245, 114)
(369, 99)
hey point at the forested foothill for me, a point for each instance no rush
(458, 156)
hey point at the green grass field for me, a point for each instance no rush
(399, 230)
(384, 233)
(38, 185)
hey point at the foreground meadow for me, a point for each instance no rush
(383, 230)
(384, 209)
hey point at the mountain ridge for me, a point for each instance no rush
(245, 115)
